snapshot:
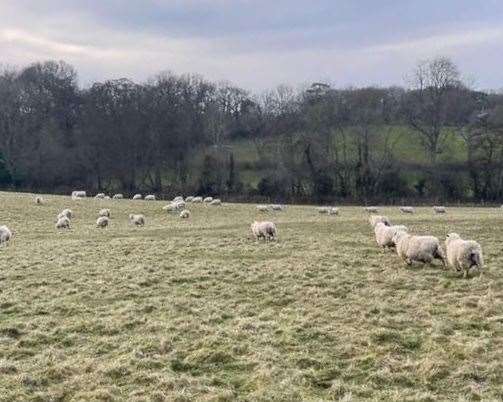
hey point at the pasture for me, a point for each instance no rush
(197, 310)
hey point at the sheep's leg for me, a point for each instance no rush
(465, 273)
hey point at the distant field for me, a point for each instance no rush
(197, 310)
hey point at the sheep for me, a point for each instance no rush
(384, 234)
(137, 219)
(266, 230)
(208, 200)
(371, 210)
(137, 197)
(100, 196)
(277, 207)
(197, 200)
(150, 197)
(323, 210)
(216, 201)
(189, 199)
(439, 210)
(375, 219)
(463, 255)
(78, 194)
(102, 222)
(118, 196)
(104, 212)
(423, 249)
(39, 200)
(178, 198)
(107, 197)
(66, 213)
(185, 214)
(333, 211)
(406, 210)
(5, 235)
(262, 208)
(63, 223)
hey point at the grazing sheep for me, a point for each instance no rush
(439, 210)
(216, 201)
(463, 255)
(418, 248)
(100, 195)
(262, 208)
(375, 219)
(78, 194)
(5, 235)
(66, 213)
(406, 210)
(208, 199)
(277, 207)
(371, 210)
(333, 211)
(104, 212)
(63, 223)
(197, 200)
(118, 196)
(39, 200)
(102, 222)
(384, 234)
(137, 219)
(178, 198)
(189, 199)
(185, 214)
(137, 197)
(107, 197)
(150, 197)
(323, 210)
(266, 230)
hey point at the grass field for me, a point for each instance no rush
(197, 310)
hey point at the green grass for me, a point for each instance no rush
(197, 310)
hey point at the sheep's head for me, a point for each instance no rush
(452, 236)
(398, 235)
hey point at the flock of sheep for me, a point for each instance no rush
(462, 255)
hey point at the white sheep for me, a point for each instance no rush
(216, 202)
(102, 222)
(323, 210)
(384, 234)
(63, 223)
(423, 249)
(208, 199)
(178, 198)
(78, 194)
(185, 214)
(137, 219)
(107, 197)
(104, 212)
(5, 235)
(463, 255)
(100, 196)
(439, 210)
(197, 200)
(39, 200)
(262, 208)
(137, 197)
(406, 210)
(265, 230)
(371, 210)
(333, 211)
(118, 196)
(375, 219)
(189, 198)
(150, 197)
(277, 207)
(66, 213)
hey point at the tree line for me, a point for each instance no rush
(184, 134)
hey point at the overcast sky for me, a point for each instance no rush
(257, 43)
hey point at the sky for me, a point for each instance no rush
(257, 44)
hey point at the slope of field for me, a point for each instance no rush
(197, 310)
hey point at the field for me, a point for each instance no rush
(197, 310)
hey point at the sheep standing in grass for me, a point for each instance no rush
(277, 207)
(78, 194)
(104, 212)
(178, 198)
(5, 235)
(323, 210)
(66, 213)
(262, 208)
(185, 214)
(406, 210)
(418, 248)
(375, 219)
(118, 197)
(39, 200)
(137, 197)
(371, 210)
(463, 255)
(208, 200)
(266, 230)
(63, 223)
(102, 222)
(333, 211)
(137, 219)
(439, 210)
(189, 198)
(197, 200)
(150, 197)
(384, 234)
(100, 196)
(216, 202)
